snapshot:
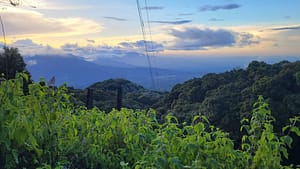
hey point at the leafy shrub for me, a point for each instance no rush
(43, 129)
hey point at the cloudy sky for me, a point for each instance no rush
(104, 28)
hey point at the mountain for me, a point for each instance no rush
(79, 73)
(166, 70)
(129, 59)
(230, 95)
(226, 98)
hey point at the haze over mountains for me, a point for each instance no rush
(79, 73)
(167, 71)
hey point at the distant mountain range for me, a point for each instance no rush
(79, 73)
(166, 71)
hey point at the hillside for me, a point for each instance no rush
(236, 91)
(105, 95)
(226, 98)
(79, 73)
(43, 129)
(223, 97)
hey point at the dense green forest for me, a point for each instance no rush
(244, 118)
(44, 129)
(228, 97)
(223, 98)
(104, 97)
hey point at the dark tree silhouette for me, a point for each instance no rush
(11, 62)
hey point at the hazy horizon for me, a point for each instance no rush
(96, 28)
(188, 36)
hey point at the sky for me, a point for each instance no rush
(180, 28)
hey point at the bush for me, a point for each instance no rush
(43, 129)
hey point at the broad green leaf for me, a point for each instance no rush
(287, 140)
(285, 128)
(195, 118)
(295, 130)
(285, 153)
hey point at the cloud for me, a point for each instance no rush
(31, 62)
(153, 8)
(57, 5)
(25, 43)
(115, 18)
(193, 38)
(215, 19)
(140, 46)
(91, 41)
(173, 22)
(246, 39)
(28, 48)
(287, 28)
(24, 22)
(74, 48)
(218, 7)
(91, 53)
(185, 14)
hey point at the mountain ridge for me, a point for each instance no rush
(80, 73)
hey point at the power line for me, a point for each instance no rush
(3, 31)
(4, 47)
(151, 39)
(13, 3)
(148, 22)
(17, 3)
(145, 42)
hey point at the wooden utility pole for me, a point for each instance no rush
(119, 97)
(89, 99)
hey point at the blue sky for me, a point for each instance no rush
(102, 28)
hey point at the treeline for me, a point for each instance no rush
(43, 129)
(225, 98)
(104, 95)
(228, 97)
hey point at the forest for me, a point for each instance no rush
(244, 118)
(225, 98)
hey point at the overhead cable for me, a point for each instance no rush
(145, 42)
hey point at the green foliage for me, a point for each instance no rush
(44, 130)
(30, 124)
(226, 98)
(261, 142)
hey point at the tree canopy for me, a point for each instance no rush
(105, 95)
(11, 62)
(228, 97)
